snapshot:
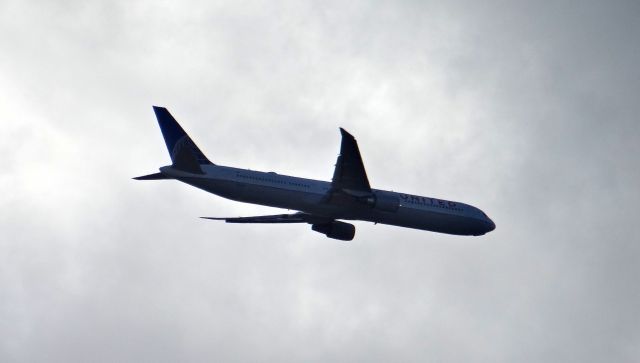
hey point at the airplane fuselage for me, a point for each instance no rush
(310, 196)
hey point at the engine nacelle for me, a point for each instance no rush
(336, 230)
(385, 202)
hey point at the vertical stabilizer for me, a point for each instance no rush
(184, 153)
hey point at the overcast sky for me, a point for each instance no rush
(528, 110)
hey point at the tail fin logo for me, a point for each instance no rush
(186, 142)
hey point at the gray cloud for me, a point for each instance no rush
(527, 110)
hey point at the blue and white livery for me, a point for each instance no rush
(323, 205)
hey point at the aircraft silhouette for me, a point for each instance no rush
(319, 203)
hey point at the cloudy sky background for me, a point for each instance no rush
(528, 110)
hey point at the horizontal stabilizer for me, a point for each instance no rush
(155, 176)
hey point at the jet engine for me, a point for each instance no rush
(336, 230)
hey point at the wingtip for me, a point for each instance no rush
(160, 111)
(345, 133)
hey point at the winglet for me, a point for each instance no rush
(344, 133)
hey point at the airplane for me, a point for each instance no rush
(321, 204)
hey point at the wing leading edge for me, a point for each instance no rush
(274, 218)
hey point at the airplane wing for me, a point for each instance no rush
(275, 218)
(349, 175)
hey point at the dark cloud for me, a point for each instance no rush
(527, 110)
